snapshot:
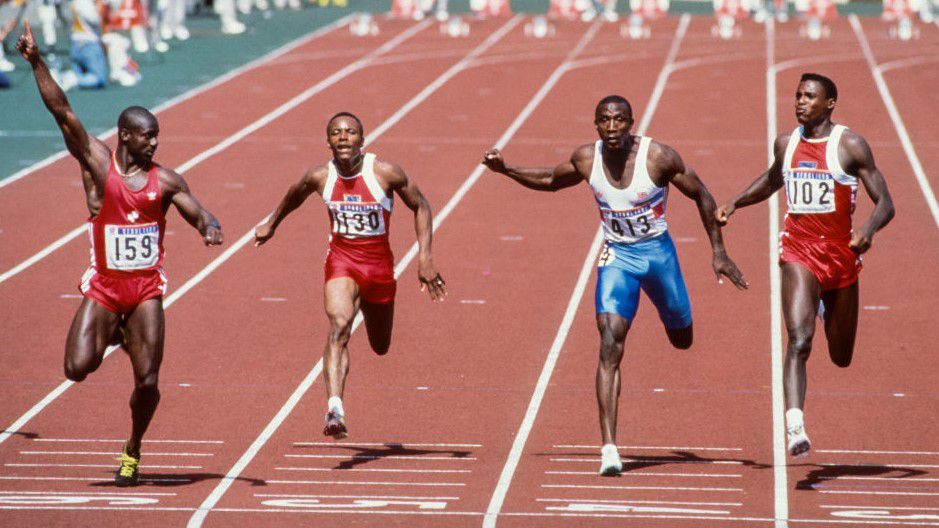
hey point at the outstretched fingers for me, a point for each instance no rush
(436, 287)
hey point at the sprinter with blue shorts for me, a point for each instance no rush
(629, 176)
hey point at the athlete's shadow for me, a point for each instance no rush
(637, 461)
(821, 476)
(172, 480)
(365, 454)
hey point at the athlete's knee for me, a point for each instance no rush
(340, 328)
(800, 345)
(148, 383)
(77, 371)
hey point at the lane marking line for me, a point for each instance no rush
(104, 493)
(88, 479)
(118, 441)
(383, 457)
(659, 448)
(168, 301)
(650, 461)
(877, 452)
(306, 496)
(634, 474)
(381, 444)
(112, 453)
(367, 483)
(199, 517)
(370, 470)
(627, 501)
(653, 488)
(286, 48)
(898, 123)
(109, 466)
(521, 437)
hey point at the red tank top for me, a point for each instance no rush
(359, 211)
(127, 233)
(819, 193)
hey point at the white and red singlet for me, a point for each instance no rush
(360, 216)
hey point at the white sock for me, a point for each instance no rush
(794, 417)
(608, 449)
(335, 405)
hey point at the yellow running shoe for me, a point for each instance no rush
(129, 473)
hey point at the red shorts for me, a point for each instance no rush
(831, 261)
(374, 273)
(122, 294)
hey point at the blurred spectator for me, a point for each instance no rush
(89, 65)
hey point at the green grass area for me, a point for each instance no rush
(28, 133)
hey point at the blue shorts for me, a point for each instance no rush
(651, 265)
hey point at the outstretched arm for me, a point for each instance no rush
(90, 152)
(763, 187)
(861, 163)
(177, 191)
(296, 195)
(423, 226)
(540, 179)
(687, 181)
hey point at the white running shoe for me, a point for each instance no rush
(181, 33)
(610, 463)
(233, 28)
(6, 65)
(799, 443)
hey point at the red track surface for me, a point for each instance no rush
(433, 422)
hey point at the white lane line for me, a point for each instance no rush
(92, 493)
(593, 460)
(109, 466)
(877, 452)
(898, 124)
(332, 79)
(119, 441)
(894, 479)
(199, 517)
(94, 508)
(881, 507)
(635, 474)
(89, 479)
(261, 122)
(189, 94)
(637, 488)
(901, 493)
(373, 470)
(367, 483)
(521, 437)
(780, 486)
(382, 457)
(380, 444)
(305, 496)
(111, 453)
(657, 448)
(889, 465)
(627, 501)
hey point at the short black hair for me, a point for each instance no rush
(615, 99)
(135, 116)
(346, 114)
(831, 91)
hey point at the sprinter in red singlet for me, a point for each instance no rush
(819, 164)
(128, 196)
(357, 190)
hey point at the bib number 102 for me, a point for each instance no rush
(635, 226)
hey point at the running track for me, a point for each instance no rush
(484, 413)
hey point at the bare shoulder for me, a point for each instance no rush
(316, 174)
(170, 181)
(854, 144)
(584, 153)
(390, 173)
(665, 157)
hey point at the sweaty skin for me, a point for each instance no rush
(801, 292)
(341, 294)
(613, 122)
(94, 327)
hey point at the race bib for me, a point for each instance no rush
(356, 220)
(810, 191)
(630, 225)
(132, 247)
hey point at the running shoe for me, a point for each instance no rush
(335, 426)
(610, 463)
(798, 441)
(129, 473)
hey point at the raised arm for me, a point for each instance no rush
(762, 187)
(860, 162)
(176, 191)
(297, 193)
(89, 151)
(412, 197)
(687, 181)
(540, 179)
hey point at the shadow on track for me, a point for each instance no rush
(822, 476)
(363, 455)
(172, 480)
(633, 462)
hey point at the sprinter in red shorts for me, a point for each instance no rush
(819, 164)
(357, 190)
(128, 196)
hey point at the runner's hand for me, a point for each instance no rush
(432, 282)
(722, 215)
(725, 267)
(213, 236)
(493, 160)
(26, 44)
(263, 233)
(860, 242)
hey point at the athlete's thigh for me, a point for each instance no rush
(617, 292)
(665, 286)
(341, 299)
(90, 332)
(801, 294)
(841, 313)
(379, 320)
(146, 329)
